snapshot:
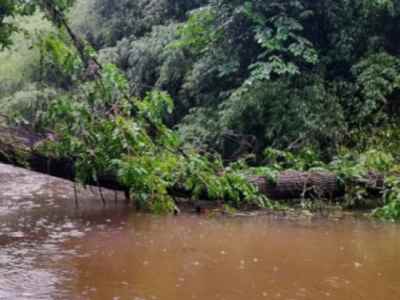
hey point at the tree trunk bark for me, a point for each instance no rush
(294, 184)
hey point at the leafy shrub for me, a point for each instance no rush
(378, 77)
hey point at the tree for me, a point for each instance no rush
(9, 9)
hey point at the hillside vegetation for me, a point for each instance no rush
(286, 84)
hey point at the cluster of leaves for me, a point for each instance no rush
(391, 209)
(145, 157)
(278, 30)
(378, 77)
(106, 131)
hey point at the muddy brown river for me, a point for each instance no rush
(51, 249)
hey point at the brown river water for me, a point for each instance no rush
(51, 249)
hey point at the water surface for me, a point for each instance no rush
(49, 249)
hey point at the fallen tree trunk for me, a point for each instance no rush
(19, 147)
(294, 184)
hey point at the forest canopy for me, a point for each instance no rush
(283, 73)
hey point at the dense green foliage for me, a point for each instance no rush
(300, 76)
(281, 73)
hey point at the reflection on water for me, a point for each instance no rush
(52, 250)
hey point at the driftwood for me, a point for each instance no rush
(19, 147)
